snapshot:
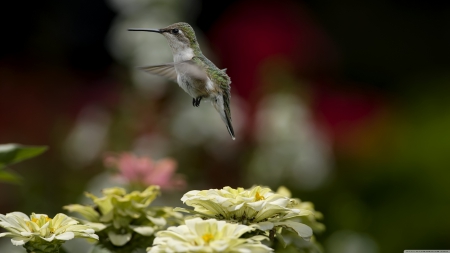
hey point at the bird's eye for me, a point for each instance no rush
(174, 31)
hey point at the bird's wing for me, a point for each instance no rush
(169, 70)
(195, 70)
(166, 70)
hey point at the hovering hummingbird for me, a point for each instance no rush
(193, 72)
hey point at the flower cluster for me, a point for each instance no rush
(224, 220)
(125, 221)
(258, 207)
(39, 233)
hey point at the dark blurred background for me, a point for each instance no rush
(344, 102)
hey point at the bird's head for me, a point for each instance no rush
(181, 36)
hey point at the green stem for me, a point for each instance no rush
(39, 251)
(43, 248)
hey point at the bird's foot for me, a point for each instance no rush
(196, 101)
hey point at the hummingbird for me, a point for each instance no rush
(193, 72)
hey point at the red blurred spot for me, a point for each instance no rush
(355, 120)
(251, 32)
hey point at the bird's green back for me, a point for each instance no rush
(215, 74)
(219, 77)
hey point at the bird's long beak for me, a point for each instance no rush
(144, 30)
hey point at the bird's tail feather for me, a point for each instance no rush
(227, 121)
(224, 114)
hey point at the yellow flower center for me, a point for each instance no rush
(259, 197)
(207, 237)
(37, 221)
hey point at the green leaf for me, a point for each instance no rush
(264, 226)
(301, 229)
(13, 153)
(10, 177)
(280, 238)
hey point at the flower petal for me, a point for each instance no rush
(18, 241)
(5, 234)
(87, 212)
(48, 239)
(66, 236)
(119, 239)
(144, 230)
(26, 234)
(96, 226)
(157, 221)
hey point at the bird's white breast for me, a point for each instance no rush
(183, 54)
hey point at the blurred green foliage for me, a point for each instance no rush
(14, 153)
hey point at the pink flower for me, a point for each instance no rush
(145, 171)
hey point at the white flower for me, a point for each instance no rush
(258, 206)
(25, 229)
(207, 236)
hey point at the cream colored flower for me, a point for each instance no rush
(259, 207)
(24, 229)
(119, 211)
(126, 221)
(207, 236)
